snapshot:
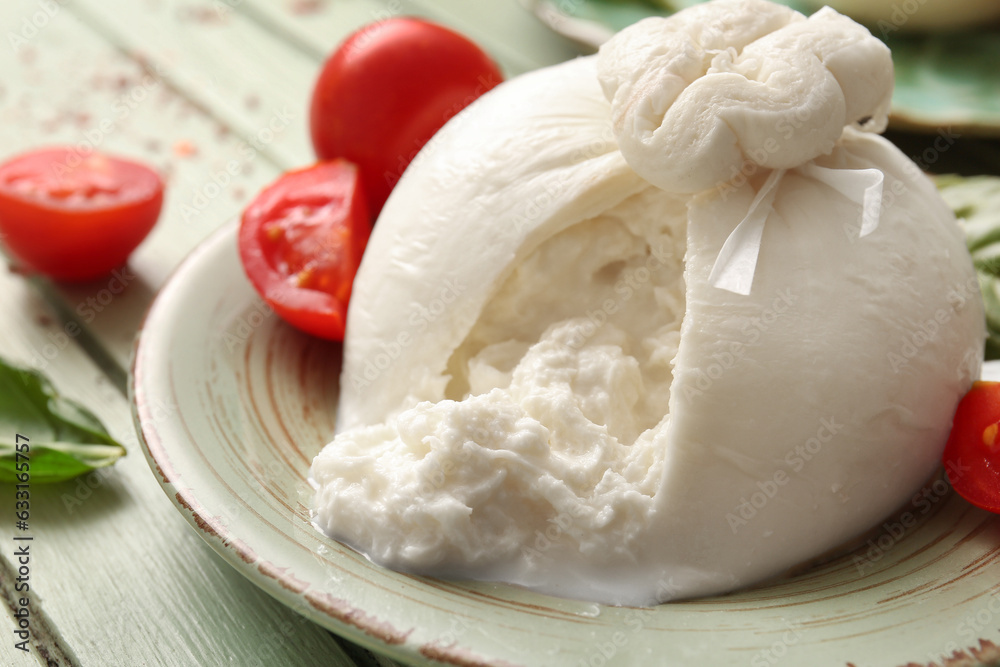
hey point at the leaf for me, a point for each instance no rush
(976, 202)
(65, 439)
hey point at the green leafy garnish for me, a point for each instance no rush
(976, 201)
(63, 438)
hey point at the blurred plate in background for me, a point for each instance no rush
(948, 80)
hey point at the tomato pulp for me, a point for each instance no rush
(301, 241)
(387, 89)
(76, 216)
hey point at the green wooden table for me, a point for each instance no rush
(118, 577)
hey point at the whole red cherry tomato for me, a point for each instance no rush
(387, 89)
(76, 216)
(972, 455)
(301, 241)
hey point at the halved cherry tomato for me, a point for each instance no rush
(301, 241)
(972, 455)
(387, 89)
(76, 216)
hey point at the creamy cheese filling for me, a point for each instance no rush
(545, 441)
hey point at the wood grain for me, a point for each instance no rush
(116, 569)
(504, 28)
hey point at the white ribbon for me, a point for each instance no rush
(861, 186)
(737, 261)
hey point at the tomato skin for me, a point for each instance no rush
(301, 241)
(972, 454)
(387, 89)
(76, 217)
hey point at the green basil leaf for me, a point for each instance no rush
(65, 439)
(976, 202)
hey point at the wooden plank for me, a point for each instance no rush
(504, 28)
(15, 658)
(116, 568)
(35, 638)
(39, 647)
(122, 577)
(68, 86)
(226, 63)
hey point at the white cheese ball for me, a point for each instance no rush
(542, 386)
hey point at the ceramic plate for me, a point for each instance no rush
(942, 81)
(232, 405)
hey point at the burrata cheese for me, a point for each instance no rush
(657, 323)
